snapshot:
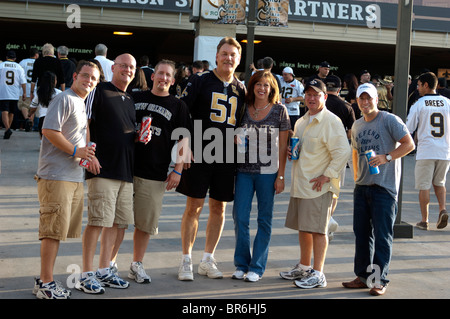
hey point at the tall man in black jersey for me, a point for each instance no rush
(215, 100)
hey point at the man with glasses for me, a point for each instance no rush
(112, 118)
(59, 176)
(375, 195)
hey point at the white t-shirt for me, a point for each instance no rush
(291, 89)
(41, 110)
(430, 118)
(106, 66)
(12, 76)
(27, 66)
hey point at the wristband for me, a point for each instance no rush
(178, 173)
(74, 151)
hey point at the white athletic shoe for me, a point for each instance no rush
(185, 271)
(209, 268)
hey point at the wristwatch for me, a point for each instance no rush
(388, 157)
(281, 177)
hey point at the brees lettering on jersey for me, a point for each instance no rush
(436, 103)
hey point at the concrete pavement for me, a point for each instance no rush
(420, 267)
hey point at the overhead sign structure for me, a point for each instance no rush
(231, 12)
(272, 13)
(382, 14)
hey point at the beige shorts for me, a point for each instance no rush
(24, 104)
(110, 202)
(310, 214)
(148, 199)
(430, 172)
(61, 209)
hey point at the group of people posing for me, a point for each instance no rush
(127, 176)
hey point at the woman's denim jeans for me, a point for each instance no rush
(246, 186)
(374, 215)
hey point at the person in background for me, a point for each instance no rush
(46, 91)
(429, 118)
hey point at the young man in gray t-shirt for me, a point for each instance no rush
(375, 196)
(60, 178)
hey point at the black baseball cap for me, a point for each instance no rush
(317, 85)
(11, 54)
(324, 64)
(333, 81)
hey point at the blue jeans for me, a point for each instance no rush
(246, 186)
(374, 215)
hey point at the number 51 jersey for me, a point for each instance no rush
(216, 104)
(430, 118)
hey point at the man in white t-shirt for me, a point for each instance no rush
(291, 94)
(12, 79)
(100, 52)
(24, 106)
(430, 118)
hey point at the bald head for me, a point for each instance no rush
(123, 69)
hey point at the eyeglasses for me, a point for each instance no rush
(88, 76)
(126, 66)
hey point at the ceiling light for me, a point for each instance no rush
(254, 41)
(122, 33)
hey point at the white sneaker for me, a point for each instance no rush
(295, 273)
(312, 280)
(137, 272)
(209, 268)
(252, 277)
(185, 271)
(238, 274)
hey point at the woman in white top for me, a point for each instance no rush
(46, 91)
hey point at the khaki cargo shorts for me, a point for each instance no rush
(110, 202)
(61, 209)
(148, 200)
(310, 214)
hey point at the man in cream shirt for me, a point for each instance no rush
(315, 178)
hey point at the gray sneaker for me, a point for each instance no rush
(312, 280)
(137, 272)
(295, 273)
(51, 290)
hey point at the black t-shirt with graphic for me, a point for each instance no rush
(168, 113)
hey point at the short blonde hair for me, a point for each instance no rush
(48, 49)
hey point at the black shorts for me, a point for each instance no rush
(9, 106)
(218, 178)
